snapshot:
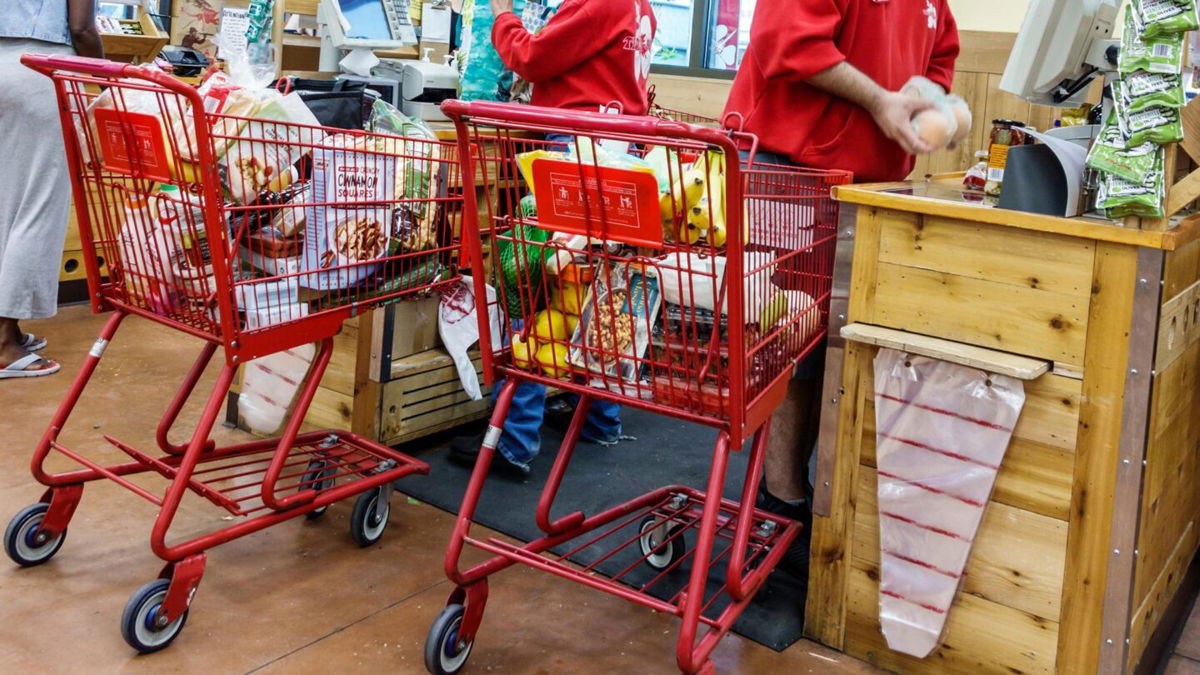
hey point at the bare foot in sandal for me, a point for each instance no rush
(11, 338)
(29, 365)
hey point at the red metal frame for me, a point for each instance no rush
(261, 482)
(731, 377)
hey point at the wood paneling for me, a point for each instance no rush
(1095, 471)
(696, 95)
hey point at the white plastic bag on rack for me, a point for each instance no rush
(459, 329)
(270, 384)
(941, 433)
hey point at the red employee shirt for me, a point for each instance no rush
(591, 53)
(792, 40)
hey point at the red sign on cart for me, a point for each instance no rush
(133, 143)
(602, 202)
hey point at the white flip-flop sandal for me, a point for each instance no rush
(23, 367)
(32, 343)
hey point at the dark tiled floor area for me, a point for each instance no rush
(299, 597)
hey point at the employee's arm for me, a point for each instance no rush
(574, 35)
(891, 110)
(81, 21)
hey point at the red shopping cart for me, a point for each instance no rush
(698, 283)
(256, 236)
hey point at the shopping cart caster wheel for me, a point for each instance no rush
(138, 624)
(22, 542)
(444, 653)
(658, 543)
(318, 477)
(369, 517)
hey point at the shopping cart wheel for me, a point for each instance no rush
(444, 653)
(658, 542)
(138, 623)
(319, 477)
(22, 542)
(369, 517)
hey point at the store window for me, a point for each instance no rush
(702, 34)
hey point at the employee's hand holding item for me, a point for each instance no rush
(501, 6)
(891, 110)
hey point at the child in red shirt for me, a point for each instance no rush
(591, 53)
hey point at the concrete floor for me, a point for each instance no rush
(300, 597)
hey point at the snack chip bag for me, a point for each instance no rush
(1143, 89)
(1110, 155)
(1154, 124)
(1122, 198)
(1162, 54)
(1160, 17)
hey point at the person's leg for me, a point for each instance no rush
(784, 465)
(10, 341)
(521, 439)
(603, 424)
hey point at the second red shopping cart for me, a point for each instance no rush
(258, 235)
(637, 260)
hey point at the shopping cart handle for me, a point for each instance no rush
(48, 63)
(554, 118)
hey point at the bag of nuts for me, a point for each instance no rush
(615, 325)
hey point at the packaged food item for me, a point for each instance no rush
(1005, 134)
(267, 147)
(936, 126)
(1143, 89)
(348, 225)
(1160, 17)
(976, 176)
(1162, 54)
(1123, 198)
(614, 329)
(1156, 124)
(1109, 154)
(923, 87)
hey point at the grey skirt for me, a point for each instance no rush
(35, 190)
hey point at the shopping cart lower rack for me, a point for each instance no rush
(320, 225)
(641, 263)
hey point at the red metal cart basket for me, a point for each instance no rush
(255, 236)
(699, 283)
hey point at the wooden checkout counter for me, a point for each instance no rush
(1095, 515)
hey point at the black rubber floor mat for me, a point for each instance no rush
(666, 452)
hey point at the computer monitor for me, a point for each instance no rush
(364, 24)
(1061, 47)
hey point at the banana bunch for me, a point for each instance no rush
(699, 197)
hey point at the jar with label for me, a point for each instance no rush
(1005, 134)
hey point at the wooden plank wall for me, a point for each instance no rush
(977, 80)
(1169, 532)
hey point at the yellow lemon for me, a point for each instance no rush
(553, 359)
(551, 324)
(523, 353)
(568, 298)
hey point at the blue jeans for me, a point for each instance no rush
(521, 439)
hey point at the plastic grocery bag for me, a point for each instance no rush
(270, 384)
(941, 433)
(458, 326)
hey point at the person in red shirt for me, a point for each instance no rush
(591, 53)
(820, 86)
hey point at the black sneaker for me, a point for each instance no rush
(464, 450)
(558, 414)
(795, 559)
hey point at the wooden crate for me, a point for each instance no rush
(426, 396)
(1053, 583)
